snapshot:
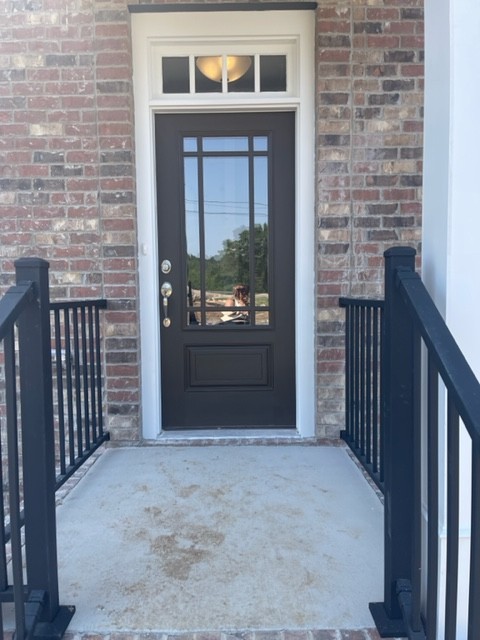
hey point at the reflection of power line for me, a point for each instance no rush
(224, 203)
(221, 213)
(236, 208)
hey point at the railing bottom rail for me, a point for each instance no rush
(358, 452)
(80, 460)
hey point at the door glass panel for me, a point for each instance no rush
(226, 209)
(192, 234)
(246, 82)
(226, 193)
(175, 73)
(261, 233)
(211, 83)
(235, 143)
(260, 143)
(273, 73)
(190, 144)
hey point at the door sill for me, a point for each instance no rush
(231, 436)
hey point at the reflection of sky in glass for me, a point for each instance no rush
(236, 143)
(226, 200)
(260, 143)
(260, 189)
(191, 206)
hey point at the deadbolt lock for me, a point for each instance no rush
(166, 266)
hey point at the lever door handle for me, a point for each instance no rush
(166, 291)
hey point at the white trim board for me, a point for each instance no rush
(149, 30)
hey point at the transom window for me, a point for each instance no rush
(224, 73)
(221, 69)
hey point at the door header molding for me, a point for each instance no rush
(227, 6)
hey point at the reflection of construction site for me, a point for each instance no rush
(216, 305)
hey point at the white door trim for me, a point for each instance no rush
(147, 30)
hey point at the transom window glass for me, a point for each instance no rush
(224, 74)
(226, 204)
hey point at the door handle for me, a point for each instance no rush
(166, 291)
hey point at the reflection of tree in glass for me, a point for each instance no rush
(232, 264)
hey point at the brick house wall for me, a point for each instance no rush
(67, 166)
(369, 164)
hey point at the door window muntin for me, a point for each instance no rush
(229, 177)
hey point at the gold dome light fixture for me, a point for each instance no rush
(236, 66)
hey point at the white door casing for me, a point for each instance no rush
(289, 31)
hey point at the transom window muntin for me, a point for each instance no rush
(224, 74)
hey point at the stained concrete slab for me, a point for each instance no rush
(221, 537)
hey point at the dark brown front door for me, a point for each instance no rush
(226, 228)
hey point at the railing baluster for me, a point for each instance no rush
(348, 372)
(368, 387)
(91, 355)
(77, 373)
(474, 590)
(98, 381)
(69, 383)
(14, 483)
(348, 384)
(432, 490)
(356, 377)
(60, 400)
(381, 429)
(85, 386)
(375, 366)
(453, 493)
(362, 383)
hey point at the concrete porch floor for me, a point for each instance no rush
(179, 539)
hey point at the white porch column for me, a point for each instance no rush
(451, 223)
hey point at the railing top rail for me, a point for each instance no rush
(12, 305)
(454, 369)
(361, 302)
(78, 304)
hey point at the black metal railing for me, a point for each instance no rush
(363, 426)
(28, 470)
(77, 383)
(421, 364)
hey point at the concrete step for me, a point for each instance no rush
(305, 634)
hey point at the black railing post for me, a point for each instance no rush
(38, 441)
(399, 360)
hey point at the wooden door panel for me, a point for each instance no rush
(225, 193)
(232, 366)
